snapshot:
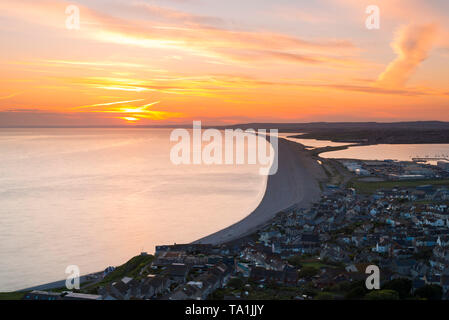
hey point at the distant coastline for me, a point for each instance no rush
(406, 132)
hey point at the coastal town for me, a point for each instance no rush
(393, 215)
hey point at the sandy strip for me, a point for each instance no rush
(295, 183)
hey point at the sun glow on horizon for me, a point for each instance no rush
(130, 119)
(130, 113)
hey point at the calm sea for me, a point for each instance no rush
(97, 197)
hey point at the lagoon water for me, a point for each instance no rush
(400, 152)
(311, 143)
(97, 197)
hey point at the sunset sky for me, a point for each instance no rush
(174, 61)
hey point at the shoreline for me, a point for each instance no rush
(296, 183)
(58, 284)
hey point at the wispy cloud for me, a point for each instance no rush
(224, 86)
(412, 45)
(192, 34)
(12, 95)
(157, 12)
(108, 103)
(134, 113)
(114, 64)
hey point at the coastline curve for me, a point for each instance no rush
(296, 183)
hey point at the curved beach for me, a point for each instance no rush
(295, 183)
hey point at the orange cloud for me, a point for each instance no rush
(131, 113)
(109, 103)
(190, 34)
(12, 95)
(412, 45)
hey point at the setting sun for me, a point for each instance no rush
(129, 119)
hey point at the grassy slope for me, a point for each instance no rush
(131, 269)
(11, 295)
(370, 187)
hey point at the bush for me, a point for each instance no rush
(324, 296)
(401, 286)
(382, 295)
(295, 261)
(217, 295)
(343, 286)
(235, 283)
(430, 292)
(356, 293)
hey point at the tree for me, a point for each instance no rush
(308, 272)
(430, 292)
(235, 283)
(271, 284)
(402, 286)
(382, 295)
(217, 295)
(295, 261)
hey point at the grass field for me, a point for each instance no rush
(370, 187)
(11, 295)
(310, 262)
